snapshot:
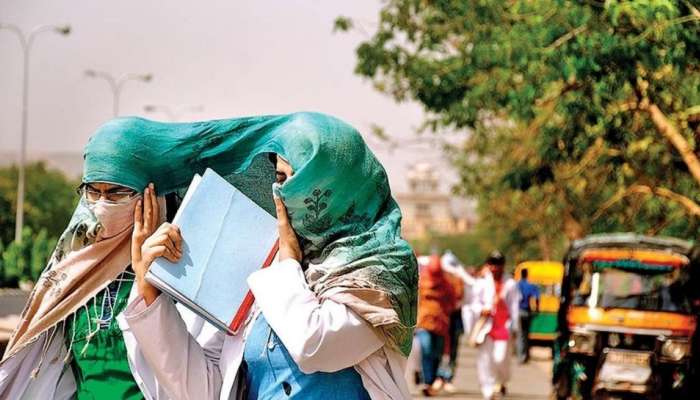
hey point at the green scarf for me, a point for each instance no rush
(338, 199)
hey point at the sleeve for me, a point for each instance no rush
(315, 332)
(185, 369)
(459, 290)
(469, 280)
(513, 301)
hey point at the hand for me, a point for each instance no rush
(289, 243)
(486, 312)
(147, 243)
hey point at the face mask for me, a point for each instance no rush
(113, 217)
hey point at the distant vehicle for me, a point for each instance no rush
(546, 275)
(627, 319)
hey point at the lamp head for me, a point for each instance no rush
(63, 29)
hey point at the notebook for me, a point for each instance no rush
(226, 237)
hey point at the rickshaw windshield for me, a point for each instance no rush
(621, 284)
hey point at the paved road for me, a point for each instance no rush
(530, 381)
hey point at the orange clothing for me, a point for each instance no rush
(437, 298)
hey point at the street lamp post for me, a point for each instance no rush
(26, 41)
(117, 84)
(173, 114)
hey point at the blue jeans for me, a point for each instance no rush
(447, 372)
(431, 346)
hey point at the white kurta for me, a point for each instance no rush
(480, 292)
(174, 354)
(493, 361)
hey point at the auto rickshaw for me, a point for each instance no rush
(547, 276)
(627, 319)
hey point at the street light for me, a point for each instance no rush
(26, 41)
(117, 84)
(173, 114)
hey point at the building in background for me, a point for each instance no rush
(428, 208)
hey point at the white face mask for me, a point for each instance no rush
(113, 217)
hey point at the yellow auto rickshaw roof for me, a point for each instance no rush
(542, 272)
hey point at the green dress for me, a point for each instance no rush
(100, 365)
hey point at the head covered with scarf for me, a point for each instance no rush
(338, 198)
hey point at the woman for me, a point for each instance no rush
(354, 262)
(438, 298)
(68, 342)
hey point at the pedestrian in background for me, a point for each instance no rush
(528, 293)
(460, 280)
(437, 298)
(493, 362)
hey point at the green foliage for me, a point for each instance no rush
(555, 99)
(26, 260)
(41, 250)
(16, 260)
(342, 24)
(49, 200)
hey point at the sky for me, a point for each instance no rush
(234, 58)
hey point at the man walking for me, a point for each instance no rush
(493, 362)
(528, 292)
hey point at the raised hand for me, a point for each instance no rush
(289, 243)
(149, 243)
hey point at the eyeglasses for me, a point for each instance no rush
(116, 195)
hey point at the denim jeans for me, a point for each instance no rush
(447, 372)
(432, 346)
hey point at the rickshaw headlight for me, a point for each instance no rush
(674, 349)
(614, 340)
(582, 342)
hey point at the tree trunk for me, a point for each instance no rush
(572, 228)
(545, 248)
(671, 133)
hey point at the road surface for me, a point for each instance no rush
(530, 381)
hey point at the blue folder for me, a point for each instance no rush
(226, 237)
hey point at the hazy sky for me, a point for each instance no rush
(233, 57)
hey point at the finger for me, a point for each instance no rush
(163, 251)
(282, 216)
(164, 240)
(172, 257)
(156, 251)
(171, 232)
(138, 216)
(148, 224)
(174, 235)
(155, 209)
(136, 236)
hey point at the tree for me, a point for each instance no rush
(580, 116)
(25, 261)
(16, 259)
(41, 251)
(49, 203)
(50, 199)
